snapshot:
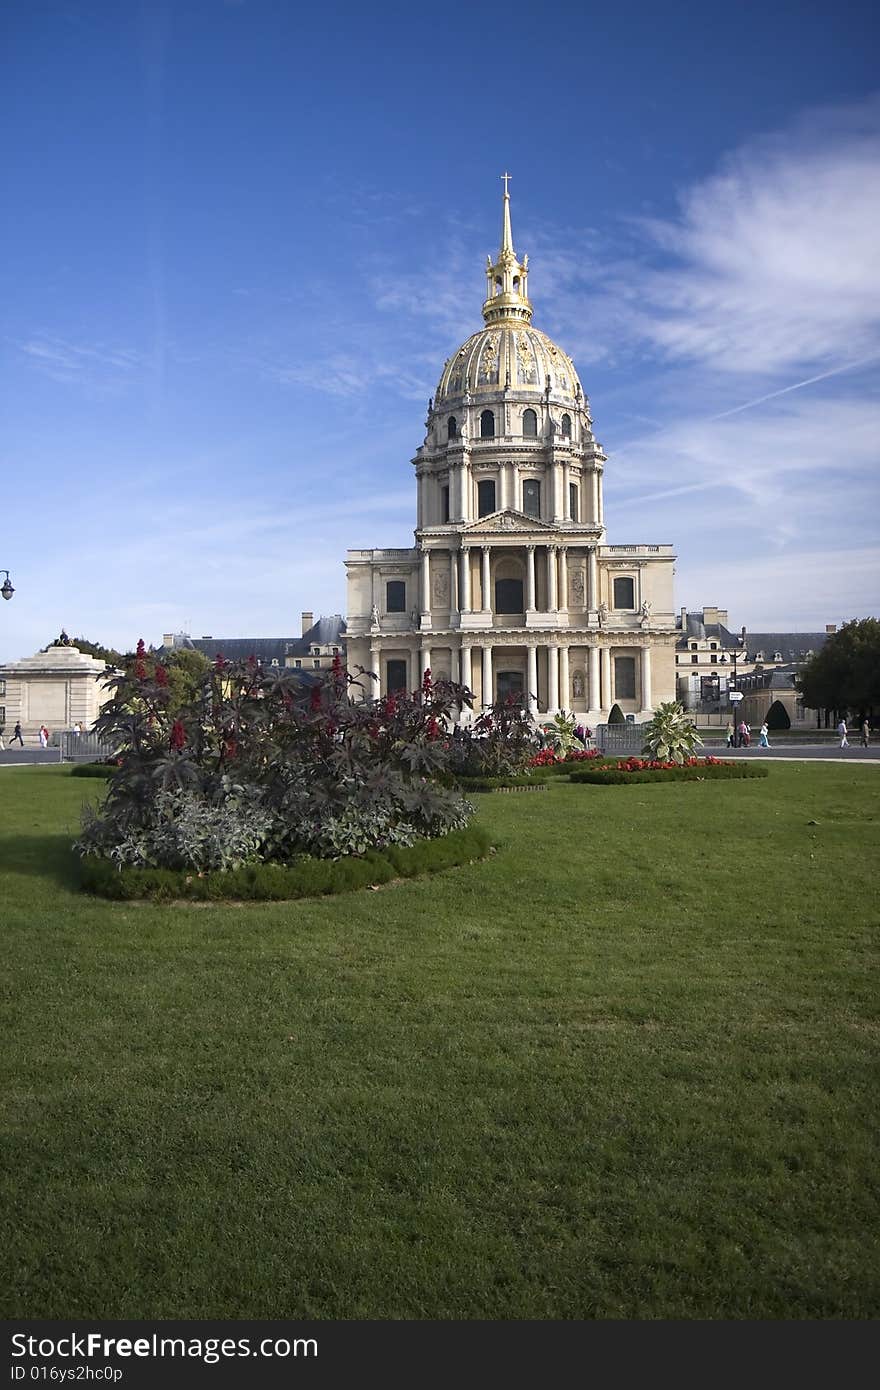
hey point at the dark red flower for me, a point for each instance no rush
(161, 675)
(178, 736)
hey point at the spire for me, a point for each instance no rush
(507, 280)
(506, 233)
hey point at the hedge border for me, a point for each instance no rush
(306, 878)
(525, 781)
(616, 777)
(93, 770)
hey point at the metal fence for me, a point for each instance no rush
(81, 748)
(619, 738)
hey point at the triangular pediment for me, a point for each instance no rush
(507, 522)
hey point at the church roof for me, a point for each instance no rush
(269, 651)
(508, 352)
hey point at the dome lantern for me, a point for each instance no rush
(507, 280)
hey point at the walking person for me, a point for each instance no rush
(843, 731)
(745, 734)
(728, 733)
(16, 734)
(44, 736)
(866, 733)
(764, 742)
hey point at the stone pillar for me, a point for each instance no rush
(374, 687)
(426, 583)
(464, 474)
(530, 578)
(485, 582)
(564, 678)
(592, 578)
(607, 697)
(453, 581)
(552, 679)
(563, 578)
(552, 598)
(646, 677)
(594, 695)
(566, 490)
(425, 659)
(515, 499)
(532, 680)
(487, 675)
(466, 672)
(465, 579)
(594, 487)
(601, 504)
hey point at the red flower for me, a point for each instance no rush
(178, 736)
(315, 699)
(161, 675)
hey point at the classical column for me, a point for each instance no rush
(564, 679)
(552, 600)
(487, 675)
(552, 679)
(426, 582)
(600, 501)
(532, 692)
(594, 697)
(607, 697)
(530, 578)
(464, 489)
(503, 502)
(485, 582)
(646, 677)
(592, 578)
(566, 491)
(374, 687)
(425, 658)
(466, 672)
(515, 499)
(465, 579)
(594, 486)
(563, 577)
(453, 581)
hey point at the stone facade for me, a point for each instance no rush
(511, 586)
(59, 688)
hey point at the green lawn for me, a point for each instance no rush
(625, 1068)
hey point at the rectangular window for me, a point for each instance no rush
(396, 675)
(2, 687)
(395, 596)
(298, 664)
(2, 717)
(624, 678)
(485, 498)
(444, 504)
(694, 660)
(624, 593)
(713, 659)
(317, 665)
(532, 498)
(573, 500)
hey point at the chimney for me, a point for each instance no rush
(307, 622)
(684, 620)
(830, 628)
(168, 640)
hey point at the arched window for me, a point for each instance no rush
(487, 425)
(451, 427)
(516, 284)
(566, 427)
(498, 287)
(530, 424)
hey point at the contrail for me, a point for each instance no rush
(810, 381)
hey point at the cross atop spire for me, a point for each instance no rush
(507, 279)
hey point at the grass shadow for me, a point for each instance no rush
(41, 856)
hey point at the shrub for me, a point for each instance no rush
(259, 766)
(92, 769)
(303, 878)
(500, 743)
(671, 735)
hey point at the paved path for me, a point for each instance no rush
(822, 752)
(15, 757)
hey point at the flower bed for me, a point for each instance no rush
(627, 770)
(304, 878)
(557, 764)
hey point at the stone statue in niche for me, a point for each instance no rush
(577, 685)
(441, 588)
(602, 613)
(577, 588)
(647, 607)
(374, 615)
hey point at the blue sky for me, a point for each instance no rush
(240, 238)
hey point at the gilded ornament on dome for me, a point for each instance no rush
(525, 360)
(489, 364)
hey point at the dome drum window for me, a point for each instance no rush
(529, 424)
(487, 424)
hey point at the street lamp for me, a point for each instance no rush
(734, 696)
(6, 588)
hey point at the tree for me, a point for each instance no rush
(845, 674)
